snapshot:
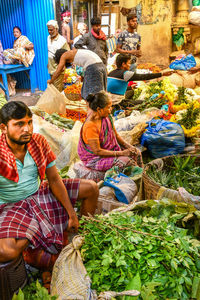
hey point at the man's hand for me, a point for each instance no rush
(167, 72)
(49, 81)
(73, 224)
(137, 53)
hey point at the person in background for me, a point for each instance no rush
(100, 146)
(123, 62)
(55, 41)
(66, 17)
(95, 40)
(83, 29)
(129, 41)
(33, 211)
(22, 51)
(95, 74)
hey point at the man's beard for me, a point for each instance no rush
(19, 142)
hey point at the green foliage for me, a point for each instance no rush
(63, 172)
(153, 88)
(183, 172)
(59, 121)
(34, 291)
(137, 93)
(189, 118)
(144, 248)
(182, 98)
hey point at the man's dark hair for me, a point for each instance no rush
(95, 21)
(131, 16)
(58, 55)
(122, 58)
(14, 110)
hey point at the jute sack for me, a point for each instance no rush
(183, 79)
(132, 136)
(52, 101)
(70, 280)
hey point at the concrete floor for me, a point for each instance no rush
(26, 96)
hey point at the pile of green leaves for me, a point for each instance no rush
(60, 122)
(181, 172)
(153, 88)
(137, 93)
(34, 291)
(189, 118)
(144, 250)
(64, 172)
(148, 103)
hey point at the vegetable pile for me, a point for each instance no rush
(144, 250)
(182, 172)
(34, 291)
(61, 122)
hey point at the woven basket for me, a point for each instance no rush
(12, 277)
(73, 97)
(150, 187)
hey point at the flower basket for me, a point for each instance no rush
(73, 97)
(152, 189)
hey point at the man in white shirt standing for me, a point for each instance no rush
(55, 41)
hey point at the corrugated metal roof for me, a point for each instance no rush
(31, 16)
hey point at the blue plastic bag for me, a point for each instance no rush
(124, 187)
(163, 138)
(184, 63)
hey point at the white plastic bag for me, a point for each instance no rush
(52, 101)
(69, 144)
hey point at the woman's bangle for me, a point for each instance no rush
(115, 152)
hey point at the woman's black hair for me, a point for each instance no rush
(17, 28)
(98, 100)
(14, 110)
(58, 55)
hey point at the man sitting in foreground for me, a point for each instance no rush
(33, 211)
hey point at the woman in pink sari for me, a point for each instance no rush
(100, 146)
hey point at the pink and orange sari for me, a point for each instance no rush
(108, 141)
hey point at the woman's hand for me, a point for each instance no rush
(49, 81)
(126, 152)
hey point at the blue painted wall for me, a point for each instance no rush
(31, 16)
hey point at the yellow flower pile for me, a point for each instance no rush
(170, 89)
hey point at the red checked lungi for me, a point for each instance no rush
(40, 218)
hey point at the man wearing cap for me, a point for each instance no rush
(95, 40)
(55, 41)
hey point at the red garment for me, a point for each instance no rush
(38, 148)
(100, 36)
(40, 218)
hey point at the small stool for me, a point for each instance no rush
(86, 173)
(12, 277)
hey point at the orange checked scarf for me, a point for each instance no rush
(38, 148)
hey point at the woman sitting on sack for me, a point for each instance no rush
(100, 147)
(22, 51)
